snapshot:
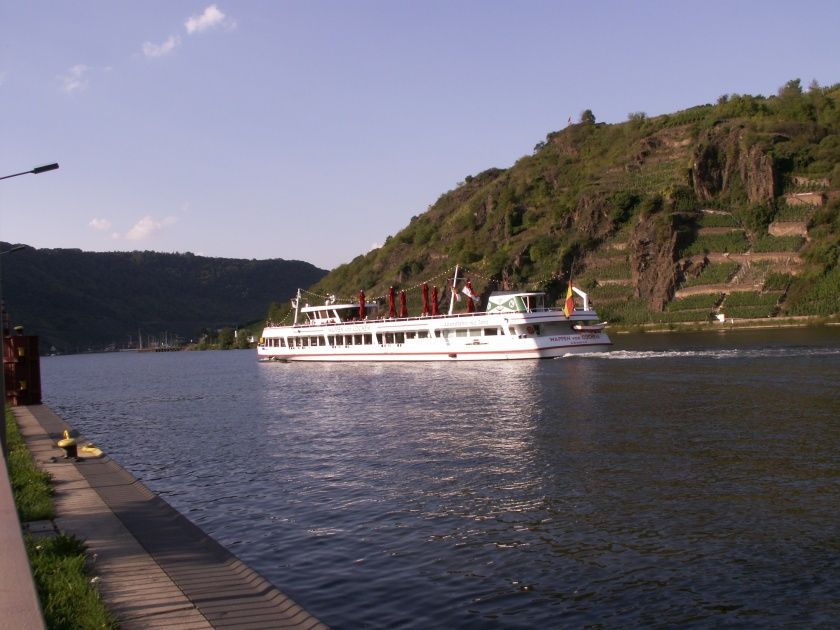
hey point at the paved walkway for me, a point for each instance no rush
(155, 568)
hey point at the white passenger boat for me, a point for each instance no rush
(514, 325)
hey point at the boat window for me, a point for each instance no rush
(474, 332)
(367, 339)
(461, 332)
(422, 334)
(400, 337)
(491, 331)
(282, 342)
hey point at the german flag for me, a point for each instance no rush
(569, 306)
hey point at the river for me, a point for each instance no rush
(688, 479)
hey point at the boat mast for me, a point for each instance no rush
(453, 292)
(296, 305)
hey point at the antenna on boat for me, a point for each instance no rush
(454, 291)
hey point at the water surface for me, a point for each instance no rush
(680, 479)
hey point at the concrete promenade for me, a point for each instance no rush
(155, 568)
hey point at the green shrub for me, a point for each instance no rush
(793, 213)
(733, 242)
(777, 281)
(611, 291)
(673, 317)
(629, 312)
(748, 312)
(769, 243)
(815, 295)
(31, 487)
(613, 270)
(714, 273)
(67, 598)
(718, 220)
(756, 217)
(704, 300)
(751, 298)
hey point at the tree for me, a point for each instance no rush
(226, 338)
(587, 117)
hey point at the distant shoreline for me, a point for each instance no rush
(801, 321)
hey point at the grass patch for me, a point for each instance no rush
(751, 298)
(67, 597)
(717, 220)
(816, 295)
(786, 213)
(628, 312)
(618, 269)
(611, 291)
(716, 273)
(749, 312)
(697, 315)
(732, 242)
(706, 301)
(769, 243)
(31, 487)
(777, 281)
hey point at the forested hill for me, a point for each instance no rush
(79, 300)
(729, 208)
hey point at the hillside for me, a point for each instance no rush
(79, 300)
(722, 208)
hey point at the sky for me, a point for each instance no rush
(312, 130)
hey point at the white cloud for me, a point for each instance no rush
(147, 226)
(99, 224)
(161, 50)
(211, 18)
(75, 79)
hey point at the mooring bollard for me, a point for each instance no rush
(68, 445)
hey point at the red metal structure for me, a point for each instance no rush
(22, 369)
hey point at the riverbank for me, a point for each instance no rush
(768, 323)
(153, 567)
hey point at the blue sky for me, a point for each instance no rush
(312, 130)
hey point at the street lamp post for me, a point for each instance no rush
(35, 171)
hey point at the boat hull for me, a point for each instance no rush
(448, 355)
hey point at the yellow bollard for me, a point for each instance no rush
(68, 445)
